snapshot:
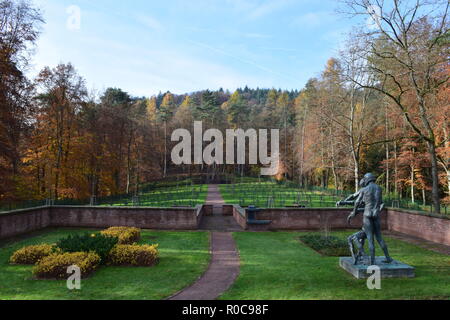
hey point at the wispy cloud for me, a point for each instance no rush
(282, 49)
(248, 62)
(257, 36)
(149, 22)
(313, 19)
(161, 69)
(268, 7)
(241, 5)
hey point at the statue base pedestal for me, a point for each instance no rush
(395, 269)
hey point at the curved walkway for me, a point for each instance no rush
(224, 266)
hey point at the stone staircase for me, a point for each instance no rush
(218, 222)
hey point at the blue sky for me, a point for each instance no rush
(181, 46)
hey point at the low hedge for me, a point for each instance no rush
(126, 235)
(97, 243)
(134, 255)
(327, 245)
(32, 254)
(55, 266)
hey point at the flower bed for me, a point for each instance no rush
(125, 235)
(114, 246)
(134, 255)
(32, 254)
(55, 266)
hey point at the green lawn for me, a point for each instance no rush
(276, 266)
(270, 194)
(182, 195)
(184, 257)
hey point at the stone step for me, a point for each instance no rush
(220, 223)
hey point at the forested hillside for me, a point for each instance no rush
(381, 105)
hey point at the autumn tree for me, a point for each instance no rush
(19, 29)
(406, 52)
(165, 115)
(116, 106)
(62, 93)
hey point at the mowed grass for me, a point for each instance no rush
(184, 257)
(182, 195)
(276, 266)
(270, 194)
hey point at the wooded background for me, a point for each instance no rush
(381, 105)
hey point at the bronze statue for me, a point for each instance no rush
(368, 201)
(359, 237)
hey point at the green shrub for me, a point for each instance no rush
(134, 255)
(32, 254)
(126, 235)
(55, 266)
(326, 245)
(97, 243)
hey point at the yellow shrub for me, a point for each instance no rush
(55, 266)
(134, 255)
(126, 235)
(32, 254)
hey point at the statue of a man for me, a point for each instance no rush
(369, 200)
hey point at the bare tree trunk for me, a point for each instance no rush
(129, 162)
(355, 154)
(165, 149)
(333, 163)
(435, 175)
(395, 169)
(412, 184)
(445, 163)
(387, 149)
(302, 154)
(448, 182)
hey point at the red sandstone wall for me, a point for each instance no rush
(228, 210)
(145, 218)
(419, 225)
(240, 217)
(311, 219)
(200, 210)
(23, 221)
(207, 210)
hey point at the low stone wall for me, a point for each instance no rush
(145, 218)
(228, 210)
(420, 225)
(20, 222)
(208, 210)
(200, 211)
(431, 228)
(23, 221)
(240, 216)
(312, 218)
